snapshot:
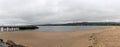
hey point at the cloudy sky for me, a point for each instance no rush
(58, 11)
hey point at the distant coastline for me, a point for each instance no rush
(85, 24)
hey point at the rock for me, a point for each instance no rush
(9, 43)
(12, 44)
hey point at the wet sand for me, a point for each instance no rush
(105, 37)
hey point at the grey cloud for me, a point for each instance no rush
(57, 11)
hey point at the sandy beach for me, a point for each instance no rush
(104, 37)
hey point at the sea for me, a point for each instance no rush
(67, 28)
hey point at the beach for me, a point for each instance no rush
(103, 37)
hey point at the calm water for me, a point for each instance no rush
(67, 28)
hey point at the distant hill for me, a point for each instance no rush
(85, 24)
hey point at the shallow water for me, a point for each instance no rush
(67, 28)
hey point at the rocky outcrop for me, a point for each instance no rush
(9, 43)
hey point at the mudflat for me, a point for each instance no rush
(104, 37)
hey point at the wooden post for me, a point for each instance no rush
(7, 28)
(2, 29)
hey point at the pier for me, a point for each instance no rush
(7, 28)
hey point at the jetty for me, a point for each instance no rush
(18, 27)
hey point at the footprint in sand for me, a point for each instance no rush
(92, 39)
(90, 46)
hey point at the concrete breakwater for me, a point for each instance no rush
(17, 28)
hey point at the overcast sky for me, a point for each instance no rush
(58, 11)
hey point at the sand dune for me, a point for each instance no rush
(106, 37)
